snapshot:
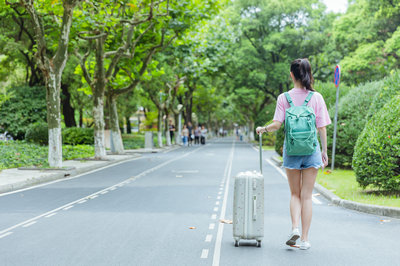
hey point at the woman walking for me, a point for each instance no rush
(301, 170)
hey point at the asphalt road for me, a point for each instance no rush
(164, 209)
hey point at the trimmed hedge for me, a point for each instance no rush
(78, 136)
(353, 110)
(391, 87)
(38, 133)
(377, 153)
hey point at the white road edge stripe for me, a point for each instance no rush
(227, 178)
(314, 199)
(4, 231)
(69, 178)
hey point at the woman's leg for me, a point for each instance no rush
(294, 178)
(308, 181)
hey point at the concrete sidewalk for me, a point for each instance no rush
(19, 178)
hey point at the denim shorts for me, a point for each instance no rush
(302, 162)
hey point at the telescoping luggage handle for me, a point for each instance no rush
(260, 138)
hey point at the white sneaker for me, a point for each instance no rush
(304, 245)
(293, 237)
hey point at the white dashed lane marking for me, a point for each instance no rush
(208, 238)
(211, 226)
(204, 254)
(29, 224)
(51, 214)
(6, 234)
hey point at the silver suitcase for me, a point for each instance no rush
(248, 207)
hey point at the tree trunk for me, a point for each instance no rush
(98, 101)
(159, 133)
(68, 111)
(54, 119)
(177, 137)
(167, 135)
(251, 130)
(80, 117)
(117, 146)
(128, 125)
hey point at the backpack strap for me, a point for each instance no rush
(308, 98)
(289, 99)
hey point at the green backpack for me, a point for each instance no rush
(300, 128)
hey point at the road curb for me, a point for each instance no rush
(352, 205)
(59, 175)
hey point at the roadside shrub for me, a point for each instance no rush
(26, 107)
(376, 158)
(77, 151)
(133, 141)
(38, 133)
(76, 135)
(353, 110)
(391, 87)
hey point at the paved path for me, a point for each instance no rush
(140, 213)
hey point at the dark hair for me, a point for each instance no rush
(301, 69)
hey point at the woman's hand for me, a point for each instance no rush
(260, 130)
(324, 159)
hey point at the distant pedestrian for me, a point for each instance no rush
(301, 170)
(171, 130)
(203, 135)
(197, 133)
(185, 135)
(191, 136)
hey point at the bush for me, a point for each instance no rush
(26, 107)
(76, 136)
(38, 133)
(391, 87)
(353, 110)
(377, 153)
(133, 141)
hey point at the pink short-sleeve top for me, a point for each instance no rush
(298, 96)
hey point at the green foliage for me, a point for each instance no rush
(77, 151)
(20, 153)
(353, 110)
(27, 106)
(38, 133)
(133, 141)
(377, 153)
(76, 135)
(391, 87)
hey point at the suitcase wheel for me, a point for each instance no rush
(258, 243)
(236, 243)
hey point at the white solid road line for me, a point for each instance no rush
(4, 231)
(69, 178)
(227, 178)
(314, 199)
(204, 254)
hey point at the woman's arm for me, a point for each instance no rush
(322, 135)
(274, 126)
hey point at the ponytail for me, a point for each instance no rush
(301, 69)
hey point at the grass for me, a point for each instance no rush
(343, 183)
(268, 148)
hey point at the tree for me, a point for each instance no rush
(51, 61)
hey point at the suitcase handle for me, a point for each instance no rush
(254, 208)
